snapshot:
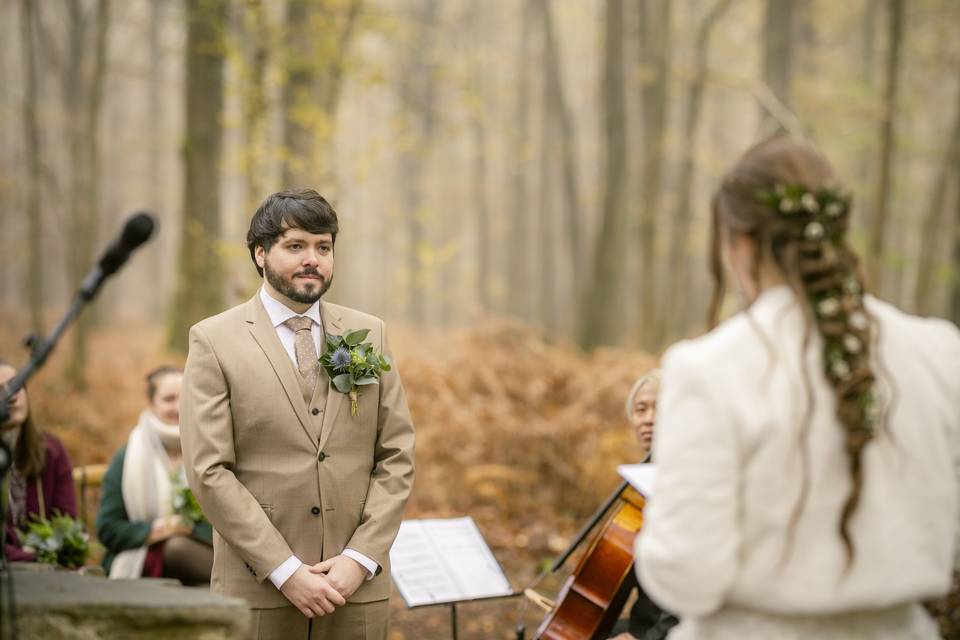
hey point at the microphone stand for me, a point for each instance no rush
(136, 231)
(39, 352)
(6, 462)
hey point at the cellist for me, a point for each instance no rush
(647, 621)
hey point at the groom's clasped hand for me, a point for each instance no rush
(320, 588)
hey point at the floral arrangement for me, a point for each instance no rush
(60, 540)
(184, 502)
(821, 214)
(833, 287)
(352, 363)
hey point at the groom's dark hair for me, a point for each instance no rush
(292, 209)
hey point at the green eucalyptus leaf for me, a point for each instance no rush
(343, 383)
(366, 380)
(355, 337)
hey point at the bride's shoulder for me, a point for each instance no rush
(729, 342)
(894, 323)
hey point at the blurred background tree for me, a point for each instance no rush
(547, 160)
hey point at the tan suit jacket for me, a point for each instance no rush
(277, 476)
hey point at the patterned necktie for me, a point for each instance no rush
(305, 348)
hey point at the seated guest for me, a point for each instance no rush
(41, 478)
(642, 410)
(136, 522)
(808, 448)
(647, 621)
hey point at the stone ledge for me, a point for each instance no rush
(63, 605)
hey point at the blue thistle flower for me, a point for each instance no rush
(340, 359)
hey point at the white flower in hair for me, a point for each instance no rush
(813, 231)
(851, 343)
(858, 320)
(852, 286)
(828, 307)
(788, 205)
(834, 209)
(840, 369)
(809, 203)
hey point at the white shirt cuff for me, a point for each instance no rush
(282, 573)
(367, 563)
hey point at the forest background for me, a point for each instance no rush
(523, 188)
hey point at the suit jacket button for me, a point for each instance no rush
(315, 411)
(322, 456)
(315, 511)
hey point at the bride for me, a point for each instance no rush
(808, 448)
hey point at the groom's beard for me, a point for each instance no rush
(307, 294)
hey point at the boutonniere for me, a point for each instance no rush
(352, 363)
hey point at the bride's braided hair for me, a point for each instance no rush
(783, 195)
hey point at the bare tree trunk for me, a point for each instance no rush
(301, 68)
(253, 23)
(955, 289)
(867, 62)
(319, 33)
(778, 54)
(805, 60)
(84, 102)
(558, 112)
(933, 225)
(73, 86)
(200, 274)
(546, 234)
(474, 21)
(418, 95)
(655, 59)
(35, 270)
(155, 125)
(680, 233)
(601, 321)
(878, 226)
(518, 269)
(482, 204)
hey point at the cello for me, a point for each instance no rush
(593, 596)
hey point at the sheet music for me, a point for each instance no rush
(437, 561)
(640, 477)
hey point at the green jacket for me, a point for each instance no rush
(114, 529)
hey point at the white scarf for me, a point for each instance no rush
(145, 484)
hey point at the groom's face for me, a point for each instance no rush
(299, 265)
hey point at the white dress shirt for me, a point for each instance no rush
(280, 313)
(730, 467)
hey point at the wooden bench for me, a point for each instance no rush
(87, 480)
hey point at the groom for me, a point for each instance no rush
(306, 498)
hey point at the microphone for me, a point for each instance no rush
(137, 230)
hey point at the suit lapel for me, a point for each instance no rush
(332, 325)
(266, 337)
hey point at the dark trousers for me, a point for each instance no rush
(647, 621)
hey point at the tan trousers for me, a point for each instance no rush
(365, 621)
